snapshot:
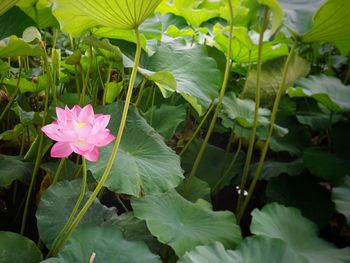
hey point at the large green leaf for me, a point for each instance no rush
(144, 164)
(176, 66)
(184, 225)
(271, 78)
(293, 191)
(14, 22)
(325, 164)
(300, 234)
(332, 24)
(80, 15)
(15, 47)
(166, 119)
(299, 14)
(244, 48)
(328, 91)
(208, 254)
(6, 5)
(107, 244)
(16, 248)
(13, 168)
(57, 203)
(341, 197)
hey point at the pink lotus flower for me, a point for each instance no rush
(78, 130)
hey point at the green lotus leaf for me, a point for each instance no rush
(16, 248)
(341, 197)
(13, 168)
(299, 234)
(175, 66)
(6, 5)
(56, 205)
(184, 225)
(329, 91)
(166, 119)
(244, 49)
(15, 47)
(331, 24)
(78, 16)
(277, 13)
(104, 244)
(144, 163)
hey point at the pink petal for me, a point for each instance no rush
(68, 135)
(105, 139)
(51, 131)
(76, 110)
(60, 150)
(87, 114)
(92, 155)
(61, 115)
(84, 132)
(102, 121)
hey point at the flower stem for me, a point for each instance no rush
(58, 171)
(218, 106)
(116, 144)
(256, 113)
(57, 244)
(276, 104)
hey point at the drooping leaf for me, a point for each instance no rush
(331, 24)
(207, 254)
(299, 14)
(300, 234)
(13, 168)
(244, 48)
(16, 248)
(144, 163)
(293, 191)
(341, 197)
(184, 225)
(166, 119)
(56, 205)
(176, 66)
(15, 47)
(106, 243)
(14, 22)
(78, 16)
(271, 78)
(325, 164)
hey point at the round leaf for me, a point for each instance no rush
(77, 16)
(184, 225)
(15, 248)
(13, 168)
(341, 198)
(56, 205)
(144, 163)
(107, 244)
(300, 234)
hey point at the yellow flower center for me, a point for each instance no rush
(81, 124)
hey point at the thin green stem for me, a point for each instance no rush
(58, 242)
(9, 104)
(86, 78)
(256, 112)
(121, 203)
(227, 171)
(58, 171)
(218, 106)
(41, 141)
(197, 129)
(276, 104)
(116, 144)
(107, 80)
(139, 96)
